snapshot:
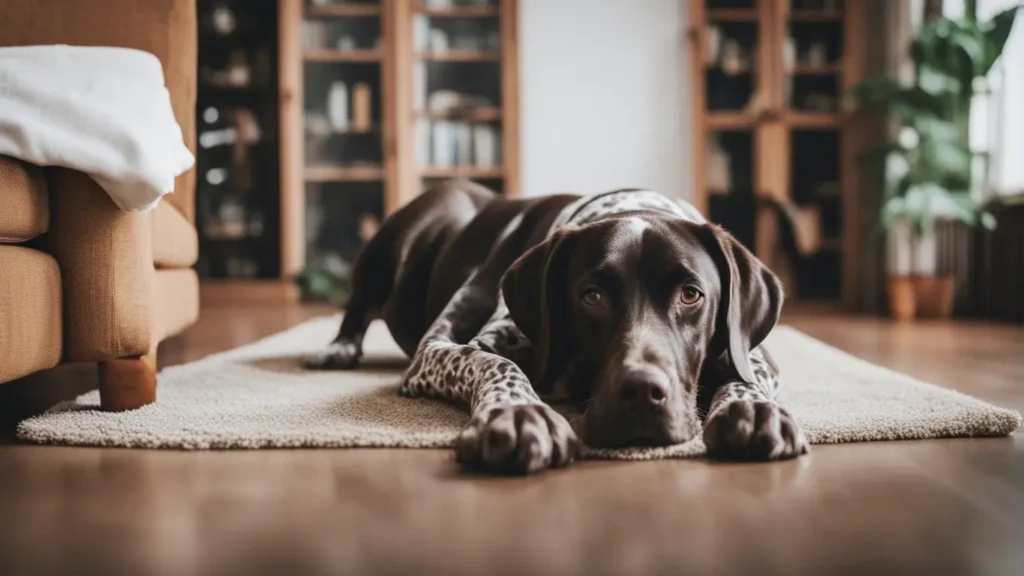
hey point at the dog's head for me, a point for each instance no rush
(627, 310)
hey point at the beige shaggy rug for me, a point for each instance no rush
(257, 396)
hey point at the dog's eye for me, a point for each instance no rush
(690, 295)
(592, 297)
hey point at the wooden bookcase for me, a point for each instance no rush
(346, 180)
(237, 116)
(326, 173)
(774, 153)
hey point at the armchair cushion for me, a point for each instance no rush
(176, 302)
(30, 312)
(24, 207)
(175, 242)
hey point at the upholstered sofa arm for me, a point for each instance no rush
(106, 264)
(165, 28)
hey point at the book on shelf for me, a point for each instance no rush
(419, 84)
(463, 142)
(362, 106)
(344, 111)
(420, 32)
(443, 150)
(424, 137)
(485, 152)
(314, 34)
(337, 106)
(456, 143)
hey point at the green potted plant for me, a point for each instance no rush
(327, 279)
(930, 171)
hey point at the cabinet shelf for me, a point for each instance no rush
(461, 172)
(328, 173)
(343, 10)
(732, 15)
(477, 114)
(815, 16)
(461, 56)
(459, 12)
(813, 120)
(729, 120)
(827, 69)
(374, 128)
(353, 56)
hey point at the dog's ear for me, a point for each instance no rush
(750, 303)
(534, 290)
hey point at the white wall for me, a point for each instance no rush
(999, 125)
(604, 96)
(1009, 139)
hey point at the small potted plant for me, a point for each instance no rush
(930, 171)
(328, 279)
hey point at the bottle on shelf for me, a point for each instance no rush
(362, 115)
(232, 218)
(484, 146)
(719, 175)
(223, 20)
(464, 143)
(337, 106)
(443, 145)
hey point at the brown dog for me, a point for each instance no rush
(626, 303)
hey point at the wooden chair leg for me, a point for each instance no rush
(127, 383)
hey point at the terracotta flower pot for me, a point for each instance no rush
(935, 296)
(902, 297)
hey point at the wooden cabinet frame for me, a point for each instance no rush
(401, 173)
(771, 123)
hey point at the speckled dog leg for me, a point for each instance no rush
(510, 429)
(745, 422)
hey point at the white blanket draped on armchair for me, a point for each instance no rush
(102, 111)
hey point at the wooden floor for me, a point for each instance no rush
(923, 507)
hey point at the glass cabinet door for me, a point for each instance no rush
(237, 115)
(342, 129)
(812, 55)
(733, 79)
(735, 85)
(457, 91)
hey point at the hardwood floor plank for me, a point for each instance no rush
(935, 506)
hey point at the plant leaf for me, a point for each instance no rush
(967, 209)
(996, 31)
(883, 151)
(972, 43)
(902, 101)
(937, 82)
(893, 210)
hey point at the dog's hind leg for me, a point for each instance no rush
(371, 286)
(346, 349)
(392, 274)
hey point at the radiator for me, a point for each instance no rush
(988, 265)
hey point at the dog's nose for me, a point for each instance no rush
(644, 389)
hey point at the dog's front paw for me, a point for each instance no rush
(338, 356)
(753, 430)
(520, 439)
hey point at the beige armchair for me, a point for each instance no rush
(81, 281)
